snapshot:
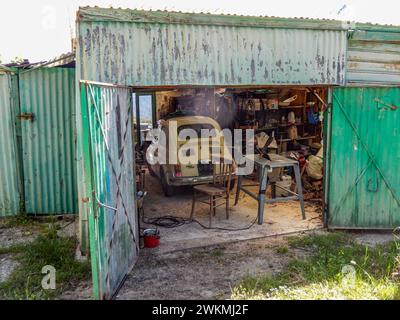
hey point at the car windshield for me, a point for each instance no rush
(197, 127)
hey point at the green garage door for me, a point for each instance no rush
(47, 122)
(364, 169)
(109, 164)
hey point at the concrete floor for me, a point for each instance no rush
(279, 218)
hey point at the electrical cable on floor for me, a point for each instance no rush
(174, 222)
(226, 229)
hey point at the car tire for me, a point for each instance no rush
(167, 189)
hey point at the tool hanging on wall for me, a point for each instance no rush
(313, 118)
(325, 105)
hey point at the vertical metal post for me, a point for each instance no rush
(326, 161)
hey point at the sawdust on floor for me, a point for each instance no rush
(279, 218)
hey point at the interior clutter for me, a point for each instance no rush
(287, 121)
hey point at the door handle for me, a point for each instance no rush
(26, 116)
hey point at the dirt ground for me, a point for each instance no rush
(196, 263)
(279, 218)
(201, 263)
(198, 273)
(203, 273)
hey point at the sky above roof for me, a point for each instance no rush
(42, 29)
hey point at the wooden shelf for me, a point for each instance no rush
(291, 124)
(280, 126)
(299, 138)
(294, 107)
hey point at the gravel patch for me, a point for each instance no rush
(7, 266)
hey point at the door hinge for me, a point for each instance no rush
(26, 116)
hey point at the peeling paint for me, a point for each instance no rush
(162, 54)
(376, 61)
(10, 186)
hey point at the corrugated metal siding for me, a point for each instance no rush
(364, 194)
(158, 49)
(10, 186)
(49, 141)
(374, 57)
(109, 165)
(151, 54)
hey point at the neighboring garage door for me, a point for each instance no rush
(109, 164)
(47, 118)
(364, 172)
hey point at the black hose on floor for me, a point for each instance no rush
(170, 222)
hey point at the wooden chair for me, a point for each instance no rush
(216, 191)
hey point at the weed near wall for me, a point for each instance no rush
(47, 249)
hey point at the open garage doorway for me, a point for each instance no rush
(287, 121)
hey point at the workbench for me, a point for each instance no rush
(264, 166)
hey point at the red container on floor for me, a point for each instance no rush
(151, 238)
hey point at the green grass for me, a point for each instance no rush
(46, 249)
(320, 274)
(282, 250)
(13, 249)
(21, 220)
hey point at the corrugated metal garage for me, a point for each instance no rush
(38, 138)
(159, 49)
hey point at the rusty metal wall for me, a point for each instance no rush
(373, 57)
(142, 48)
(49, 140)
(155, 53)
(10, 178)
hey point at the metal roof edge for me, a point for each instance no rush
(59, 61)
(377, 27)
(97, 14)
(5, 69)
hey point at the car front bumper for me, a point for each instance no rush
(188, 181)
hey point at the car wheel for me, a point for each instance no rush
(167, 189)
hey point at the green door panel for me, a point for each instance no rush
(364, 180)
(109, 179)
